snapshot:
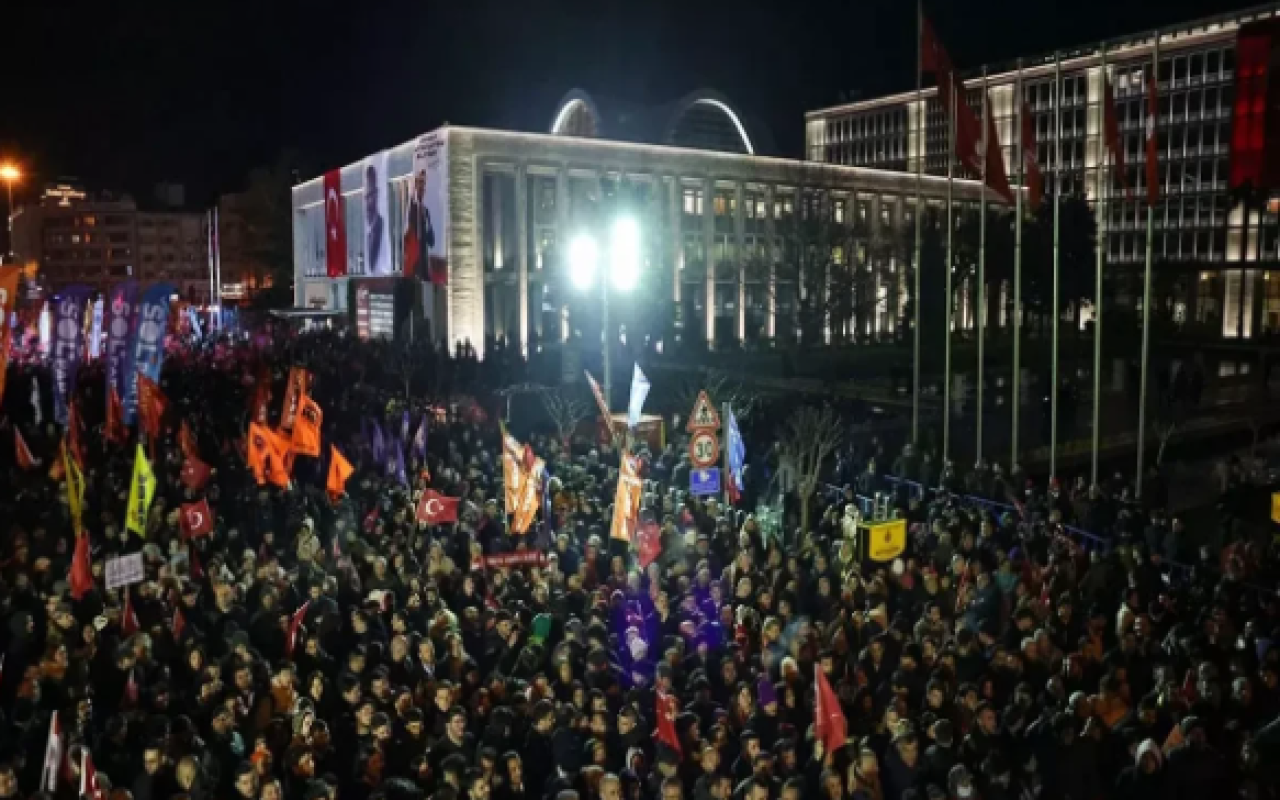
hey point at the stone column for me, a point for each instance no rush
(708, 243)
(562, 233)
(522, 249)
(675, 209)
(770, 234)
(739, 237)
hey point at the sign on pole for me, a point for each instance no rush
(704, 416)
(124, 571)
(704, 481)
(704, 449)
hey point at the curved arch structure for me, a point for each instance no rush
(576, 115)
(707, 121)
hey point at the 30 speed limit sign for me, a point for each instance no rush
(704, 449)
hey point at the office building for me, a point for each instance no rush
(1215, 244)
(696, 175)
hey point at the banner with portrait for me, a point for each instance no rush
(375, 210)
(426, 209)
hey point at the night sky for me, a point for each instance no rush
(124, 94)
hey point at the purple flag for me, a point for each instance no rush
(378, 444)
(404, 425)
(420, 440)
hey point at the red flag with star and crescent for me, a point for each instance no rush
(335, 225)
(665, 730)
(434, 508)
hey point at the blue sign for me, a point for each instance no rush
(704, 481)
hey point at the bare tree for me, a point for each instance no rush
(808, 439)
(566, 407)
(722, 387)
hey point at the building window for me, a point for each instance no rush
(693, 202)
(837, 211)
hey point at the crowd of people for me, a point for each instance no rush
(314, 646)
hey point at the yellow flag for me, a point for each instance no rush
(512, 473)
(75, 489)
(141, 494)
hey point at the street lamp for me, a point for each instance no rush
(10, 173)
(624, 272)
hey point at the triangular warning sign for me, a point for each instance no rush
(704, 416)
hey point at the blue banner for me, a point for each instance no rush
(68, 345)
(121, 305)
(146, 355)
(704, 481)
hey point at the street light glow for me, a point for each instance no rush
(624, 253)
(9, 173)
(584, 256)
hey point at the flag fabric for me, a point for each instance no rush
(81, 576)
(75, 433)
(187, 441)
(339, 470)
(639, 391)
(435, 509)
(37, 405)
(1153, 147)
(75, 489)
(260, 408)
(420, 440)
(737, 452)
(58, 471)
(116, 432)
(951, 97)
(8, 305)
(120, 321)
(195, 473)
(297, 388)
(1033, 178)
(377, 443)
(601, 402)
(295, 623)
(993, 172)
(197, 519)
(266, 457)
(128, 617)
(1111, 132)
(829, 722)
(22, 453)
(512, 456)
(335, 225)
(52, 756)
(68, 346)
(626, 502)
(141, 493)
(146, 354)
(306, 428)
(529, 499)
(151, 405)
(650, 544)
(89, 788)
(179, 624)
(665, 730)
(404, 425)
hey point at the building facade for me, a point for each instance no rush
(72, 237)
(1215, 243)
(736, 246)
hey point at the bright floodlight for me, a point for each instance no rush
(9, 173)
(584, 256)
(624, 253)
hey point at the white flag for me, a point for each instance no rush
(639, 391)
(52, 757)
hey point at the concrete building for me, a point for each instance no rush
(243, 274)
(73, 237)
(723, 258)
(1217, 254)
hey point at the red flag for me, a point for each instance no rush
(151, 405)
(116, 431)
(197, 519)
(179, 624)
(951, 95)
(335, 225)
(1153, 149)
(295, 622)
(1111, 132)
(665, 732)
(128, 618)
(195, 473)
(131, 688)
(829, 722)
(434, 508)
(187, 441)
(993, 174)
(21, 452)
(81, 578)
(89, 787)
(339, 470)
(1032, 176)
(650, 544)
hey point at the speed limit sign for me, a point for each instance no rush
(704, 449)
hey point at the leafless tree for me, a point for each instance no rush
(722, 387)
(808, 438)
(567, 407)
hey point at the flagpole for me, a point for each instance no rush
(980, 305)
(1146, 293)
(920, 154)
(946, 369)
(1053, 311)
(1103, 183)
(1015, 394)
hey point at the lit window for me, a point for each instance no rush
(838, 212)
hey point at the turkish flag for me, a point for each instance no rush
(1034, 178)
(81, 578)
(434, 508)
(828, 723)
(994, 175)
(665, 732)
(195, 473)
(295, 622)
(89, 787)
(951, 97)
(197, 519)
(128, 617)
(335, 225)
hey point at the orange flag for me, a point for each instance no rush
(306, 428)
(266, 455)
(299, 383)
(339, 470)
(21, 452)
(81, 578)
(151, 405)
(626, 503)
(116, 431)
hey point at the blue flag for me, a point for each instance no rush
(737, 453)
(146, 353)
(121, 305)
(68, 344)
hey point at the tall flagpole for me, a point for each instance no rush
(1103, 187)
(1015, 395)
(951, 229)
(920, 154)
(1146, 292)
(1053, 312)
(981, 304)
